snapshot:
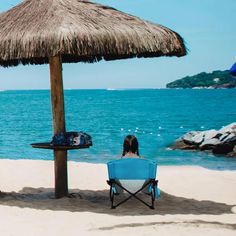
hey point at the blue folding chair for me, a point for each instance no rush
(133, 175)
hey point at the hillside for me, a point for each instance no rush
(216, 79)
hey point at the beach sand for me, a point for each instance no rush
(194, 201)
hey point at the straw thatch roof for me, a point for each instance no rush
(79, 30)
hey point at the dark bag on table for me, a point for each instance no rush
(71, 139)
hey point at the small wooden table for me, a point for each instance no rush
(58, 147)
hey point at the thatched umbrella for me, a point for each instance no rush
(57, 31)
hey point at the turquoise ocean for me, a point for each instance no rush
(156, 116)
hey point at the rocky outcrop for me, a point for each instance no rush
(219, 142)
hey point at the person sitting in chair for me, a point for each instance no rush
(130, 147)
(124, 175)
(130, 150)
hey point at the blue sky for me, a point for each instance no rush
(207, 26)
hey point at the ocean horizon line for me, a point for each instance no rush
(108, 89)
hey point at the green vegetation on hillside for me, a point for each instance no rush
(216, 79)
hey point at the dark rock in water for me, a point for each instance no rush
(188, 138)
(228, 128)
(223, 148)
(218, 136)
(218, 142)
(198, 139)
(210, 134)
(209, 144)
(231, 139)
(180, 144)
(224, 136)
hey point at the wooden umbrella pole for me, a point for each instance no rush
(58, 113)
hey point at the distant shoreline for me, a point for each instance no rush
(118, 89)
(215, 80)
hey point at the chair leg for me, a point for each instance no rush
(134, 195)
(112, 198)
(153, 195)
(111, 183)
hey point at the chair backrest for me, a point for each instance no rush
(132, 168)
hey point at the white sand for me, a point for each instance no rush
(194, 201)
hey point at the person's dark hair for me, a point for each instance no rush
(130, 145)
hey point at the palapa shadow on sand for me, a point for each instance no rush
(99, 202)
